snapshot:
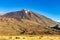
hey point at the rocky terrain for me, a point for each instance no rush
(27, 22)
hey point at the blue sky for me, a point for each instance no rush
(48, 8)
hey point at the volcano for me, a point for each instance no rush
(27, 22)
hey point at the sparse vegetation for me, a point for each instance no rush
(17, 38)
(34, 37)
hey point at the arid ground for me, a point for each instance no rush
(31, 37)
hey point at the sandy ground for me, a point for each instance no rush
(31, 37)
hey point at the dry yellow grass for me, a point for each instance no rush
(31, 37)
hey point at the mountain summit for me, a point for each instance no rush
(26, 22)
(26, 14)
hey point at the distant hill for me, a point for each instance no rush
(26, 22)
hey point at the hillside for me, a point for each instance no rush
(26, 22)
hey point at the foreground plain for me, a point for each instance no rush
(31, 37)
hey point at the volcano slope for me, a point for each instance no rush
(26, 22)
